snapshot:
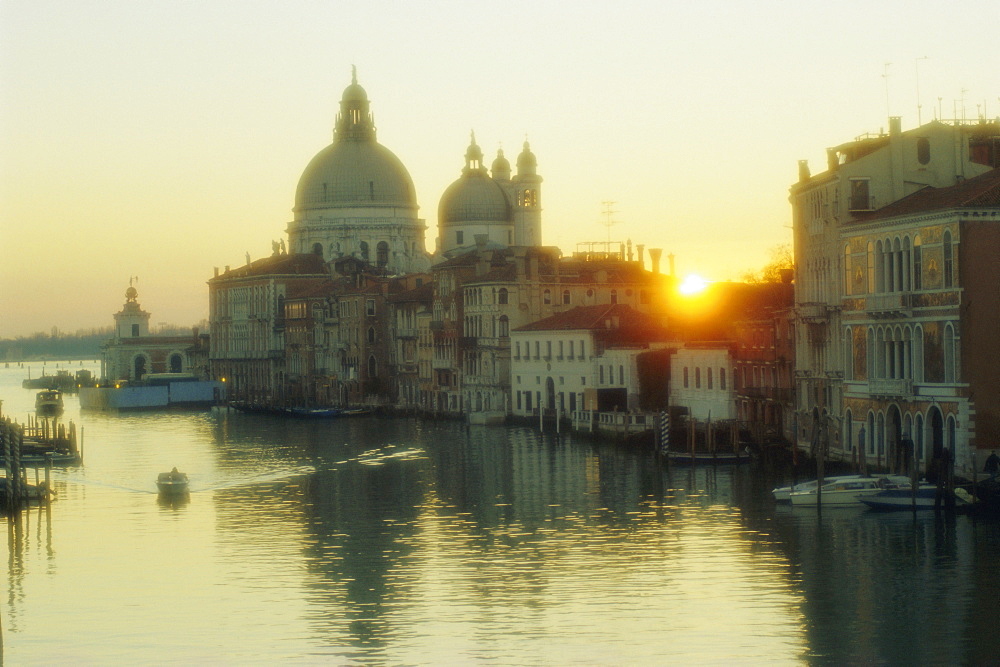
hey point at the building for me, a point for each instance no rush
(355, 198)
(920, 315)
(134, 351)
(863, 177)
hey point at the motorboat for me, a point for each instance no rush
(49, 402)
(847, 492)
(905, 498)
(173, 483)
(781, 494)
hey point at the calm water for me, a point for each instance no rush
(407, 542)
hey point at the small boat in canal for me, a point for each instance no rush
(905, 498)
(49, 402)
(721, 457)
(782, 494)
(847, 492)
(173, 483)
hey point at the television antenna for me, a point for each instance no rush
(609, 220)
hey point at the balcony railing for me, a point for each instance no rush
(892, 387)
(892, 302)
(813, 311)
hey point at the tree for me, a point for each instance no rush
(775, 270)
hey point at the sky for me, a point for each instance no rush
(161, 139)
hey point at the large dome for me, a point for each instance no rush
(355, 170)
(355, 173)
(475, 197)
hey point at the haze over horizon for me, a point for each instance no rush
(160, 139)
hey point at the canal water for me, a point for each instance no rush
(367, 540)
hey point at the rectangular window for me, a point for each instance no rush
(548, 349)
(686, 377)
(709, 378)
(459, 238)
(370, 307)
(538, 347)
(722, 379)
(697, 377)
(860, 199)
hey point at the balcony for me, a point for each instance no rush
(815, 312)
(890, 387)
(893, 303)
(408, 332)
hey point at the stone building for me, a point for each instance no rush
(134, 352)
(864, 177)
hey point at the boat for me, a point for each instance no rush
(781, 494)
(709, 458)
(157, 391)
(49, 402)
(173, 483)
(904, 498)
(315, 413)
(847, 492)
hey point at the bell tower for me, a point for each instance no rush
(527, 186)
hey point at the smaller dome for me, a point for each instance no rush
(526, 162)
(475, 197)
(501, 167)
(354, 92)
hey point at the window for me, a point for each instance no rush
(538, 347)
(565, 297)
(685, 377)
(318, 249)
(917, 263)
(860, 199)
(614, 296)
(371, 334)
(600, 379)
(459, 238)
(847, 270)
(923, 150)
(382, 254)
(697, 377)
(370, 307)
(547, 297)
(871, 267)
(135, 330)
(548, 349)
(504, 326)
(722, 379)
(502, 296)
(949, 261)
(621, 375)
(709, 377)
(517, 351)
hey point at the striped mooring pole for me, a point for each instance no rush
(664, 431)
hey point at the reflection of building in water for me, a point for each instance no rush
(134, 351)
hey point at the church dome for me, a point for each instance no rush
(501, 167)
(474, 197)
(355, 170)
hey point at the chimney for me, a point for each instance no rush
(803, 171)
(654, 259)
(640, 248)
(895, 126)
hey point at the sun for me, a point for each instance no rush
(692, 284)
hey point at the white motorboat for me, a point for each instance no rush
(847, 492)
(173, 483)
(782, 493)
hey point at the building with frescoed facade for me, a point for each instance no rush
(864, 177)
(920, 315)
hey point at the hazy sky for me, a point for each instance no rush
(162, 139)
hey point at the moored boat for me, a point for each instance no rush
(172, 483)
(847, 492)
(782, 493)
(49, 402)
(905, 498)
(709, 458)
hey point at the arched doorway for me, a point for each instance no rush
(550, 394)
(139, 367)
(176, 363)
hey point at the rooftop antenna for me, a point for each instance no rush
(885, 75)
(916, 69)
(609, 220)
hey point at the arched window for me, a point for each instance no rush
(923, 150)
(318, 249)
(847, 270)
(871, 267)
(566, 297)
(918, 354)
(502, 296)
(382, 254)
(371, 334)
(848, 354)
(363, 248)
(918, 280)
(949, 353)
(504, 326)
(621, 375)
(372, 367)
(949, 259)
(848, 431)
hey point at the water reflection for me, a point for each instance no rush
(399, 541)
